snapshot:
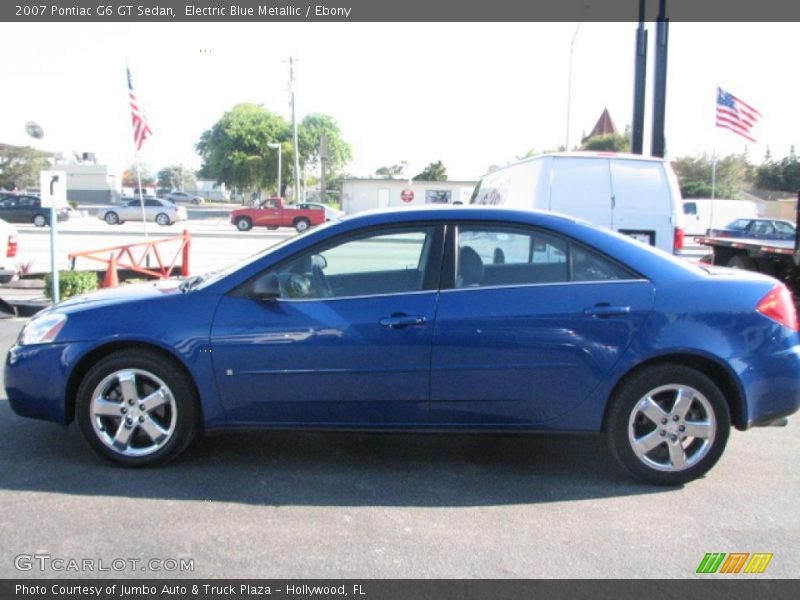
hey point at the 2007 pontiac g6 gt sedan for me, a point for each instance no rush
(452, 318)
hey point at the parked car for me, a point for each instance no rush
(23, 208)
(273, 213)
(184, 197)
(159, 210)
(453, 318)
(331, 214)
(702, 214)
(8, 251)
(760, 229)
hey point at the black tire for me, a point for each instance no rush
(244, 224)
(39, 220)
(102, 407)
(301, 224)
(111, 218)
(742, 262)
(163, 219)
(706, 413)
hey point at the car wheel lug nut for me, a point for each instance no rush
(663, 433)
(663, 421)
(141, 419)
(130, 402)
(675, 418)
(673, 437)
(123, 410)
(681, 428)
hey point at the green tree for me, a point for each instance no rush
(695, 174)
(309, 136)
(435, 171)
(130, 179)
(20, 166)
(236, 150)
(396, 170)
(612, 142)
(176, 177)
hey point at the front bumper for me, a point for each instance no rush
(36, 379)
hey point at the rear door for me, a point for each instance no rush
(532, 325)
(642, 202)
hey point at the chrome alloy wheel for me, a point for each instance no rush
(133, 412)
(672, 428)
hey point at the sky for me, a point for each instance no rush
(472, 95)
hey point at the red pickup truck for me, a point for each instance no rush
(272, 213)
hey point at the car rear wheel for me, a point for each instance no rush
(40, 220)
(163, 219)
(244, 224)
(301, 225)
(111, 218)
(137, 409)
(742, 262)
(668, 425)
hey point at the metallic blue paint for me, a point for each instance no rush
(526, 357)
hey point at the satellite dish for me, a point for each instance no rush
(34, 130)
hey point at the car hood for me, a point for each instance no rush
(120, 294)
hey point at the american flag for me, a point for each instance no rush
(141, 130)
(735, 115)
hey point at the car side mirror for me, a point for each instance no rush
(266, 288)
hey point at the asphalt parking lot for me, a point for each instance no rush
(333, 505)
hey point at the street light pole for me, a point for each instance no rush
(296, 191)
(278, 147)
(569, 76)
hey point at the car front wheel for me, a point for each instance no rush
(668, 425)
(39, 220)
(111, 218)
(244, 224)
(137, 409)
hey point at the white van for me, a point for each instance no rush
(701, 214)
(635, 195)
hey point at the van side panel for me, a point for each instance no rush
(515, 186)
(642, 201)
(581, 187)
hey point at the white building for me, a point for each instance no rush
(91, 183)
(366, 194)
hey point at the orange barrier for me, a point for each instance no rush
(137, 258)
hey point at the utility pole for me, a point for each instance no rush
(639, 84)
(323, 160)
(658, 144)
(296, 190)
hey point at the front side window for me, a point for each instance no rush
(388, 262)
(489, 256)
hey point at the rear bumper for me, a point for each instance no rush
(775, 394)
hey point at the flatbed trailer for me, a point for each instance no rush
(777, 258)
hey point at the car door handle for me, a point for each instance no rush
(605, 310)
(401, 321)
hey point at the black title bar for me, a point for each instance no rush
(391, 10)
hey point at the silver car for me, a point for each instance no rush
(176, 197)
(159, 210)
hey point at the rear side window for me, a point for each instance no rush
(490, 256)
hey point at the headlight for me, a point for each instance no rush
(42, 330)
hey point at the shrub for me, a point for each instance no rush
(71, 283)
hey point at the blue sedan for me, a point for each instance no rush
(451, 318)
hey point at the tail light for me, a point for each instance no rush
(11, 248)
(779, 306)
(677, 241)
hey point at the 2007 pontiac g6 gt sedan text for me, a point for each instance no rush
(459, 318)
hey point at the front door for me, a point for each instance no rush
(348, 342)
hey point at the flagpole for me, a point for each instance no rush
(141, 196)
